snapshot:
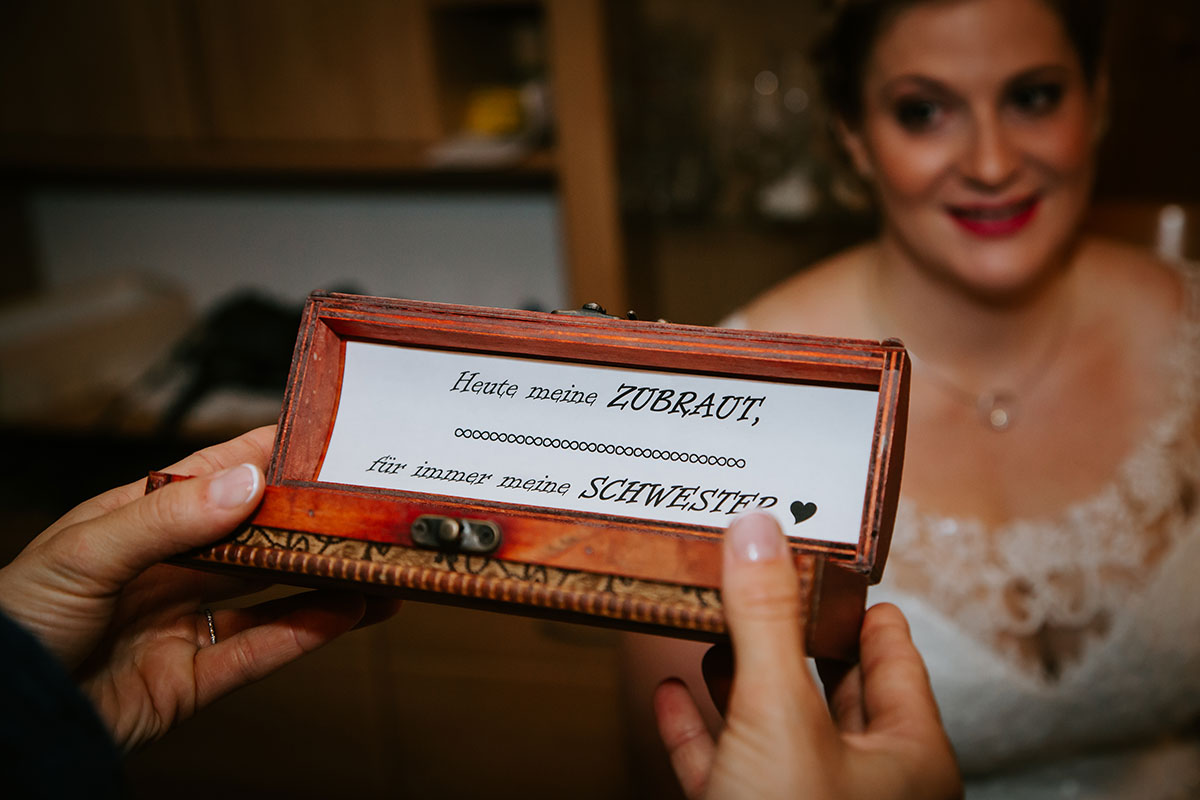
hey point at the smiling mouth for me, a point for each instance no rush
(995, 220)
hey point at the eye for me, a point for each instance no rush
(1036, 99)
(918, 114)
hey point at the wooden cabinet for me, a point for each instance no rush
(319, 71)
(85, 71)
(310, 89)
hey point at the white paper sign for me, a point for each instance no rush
(601, 440)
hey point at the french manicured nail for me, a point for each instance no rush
(755, 537)
(233, 487)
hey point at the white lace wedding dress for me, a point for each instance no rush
(1117, 716)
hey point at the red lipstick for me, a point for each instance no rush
(995, 220)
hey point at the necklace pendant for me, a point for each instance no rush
(998, 409)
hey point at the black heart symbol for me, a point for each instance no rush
(802, 511)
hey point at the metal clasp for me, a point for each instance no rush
(592, 310)
(456, 535)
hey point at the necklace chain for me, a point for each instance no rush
(998, 408)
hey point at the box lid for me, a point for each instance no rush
(401, 412)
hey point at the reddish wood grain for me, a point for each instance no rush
(628, 548)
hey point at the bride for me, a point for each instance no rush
(1047, 535)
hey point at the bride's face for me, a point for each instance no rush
(978, 135)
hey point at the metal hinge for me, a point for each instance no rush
(456, 535)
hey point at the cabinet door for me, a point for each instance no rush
(79, 69)
(317, 70)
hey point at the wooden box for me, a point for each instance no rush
(574, 465)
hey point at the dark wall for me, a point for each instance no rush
(1152, 147)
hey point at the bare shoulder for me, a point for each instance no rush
(1132, 284)
(825, 299)
(1131, 329)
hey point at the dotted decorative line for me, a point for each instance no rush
(600, 447)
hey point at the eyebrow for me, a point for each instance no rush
(923, 82)
(889, 89)
(1040, 72)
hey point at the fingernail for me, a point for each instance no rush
(755, 537)
(233, 487)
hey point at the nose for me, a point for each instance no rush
(990, 158)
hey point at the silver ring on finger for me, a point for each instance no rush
(212, 628)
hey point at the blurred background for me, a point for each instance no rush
(179, 174)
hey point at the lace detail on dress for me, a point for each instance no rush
(1008, 585)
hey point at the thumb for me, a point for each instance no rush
(761, 596)
(774, 699)
(113, 549)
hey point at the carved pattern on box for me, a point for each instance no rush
(476, 577)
